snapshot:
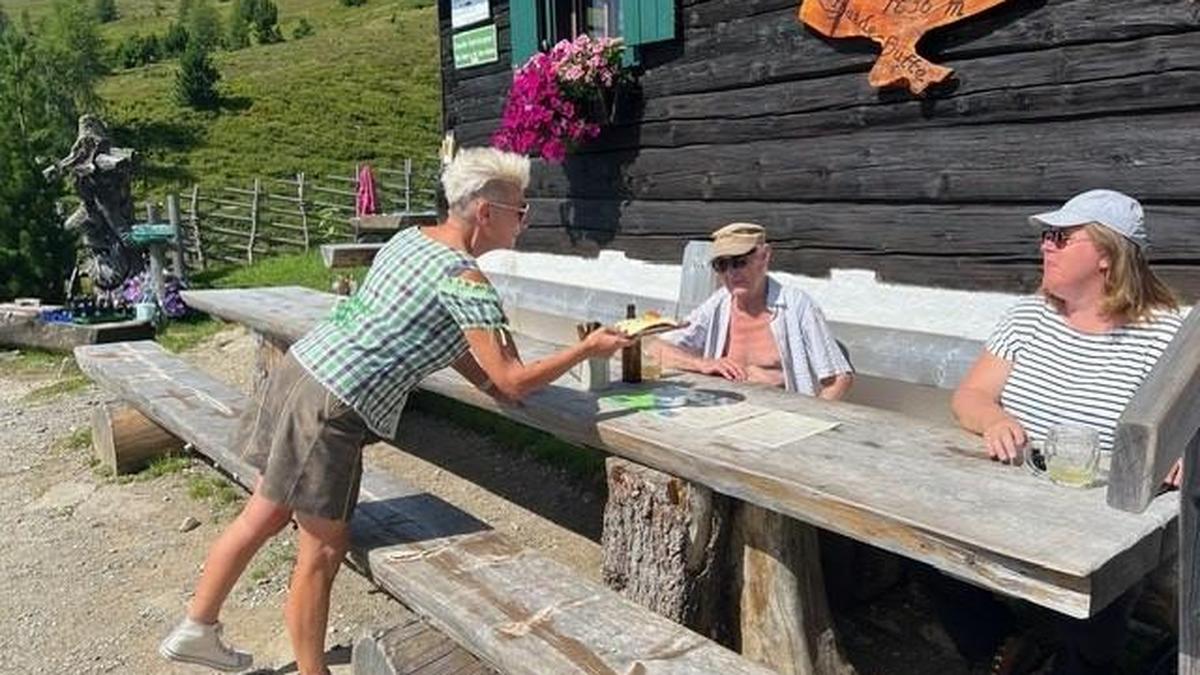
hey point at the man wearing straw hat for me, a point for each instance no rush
(756, 329)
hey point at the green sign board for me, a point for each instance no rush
(475, 47)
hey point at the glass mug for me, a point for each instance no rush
(1071, 456)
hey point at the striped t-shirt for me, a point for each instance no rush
(404, 323)
(1061, 375)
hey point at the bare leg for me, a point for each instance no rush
(259, 520)
(323, 544)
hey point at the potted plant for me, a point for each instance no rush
(561, 98)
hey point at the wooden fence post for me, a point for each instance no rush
(303, 213)
(253, 223)
(408, 185)
(195, 223)
(177, 249)
(1189, 565)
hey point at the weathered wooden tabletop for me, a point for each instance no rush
(921, 490)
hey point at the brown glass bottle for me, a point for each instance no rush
(631, 356)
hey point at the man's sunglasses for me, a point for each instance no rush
(1060, 237)
(732, 262)
(521, 211)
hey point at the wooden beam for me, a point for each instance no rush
(1189, 563)
(1158, 423)
(349, 255)
(125, 440)
(784, 620)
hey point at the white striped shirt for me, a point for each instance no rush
(1061, 375)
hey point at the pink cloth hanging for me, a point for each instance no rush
(364, 204)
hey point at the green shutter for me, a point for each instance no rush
(522, 29)
(648, 21)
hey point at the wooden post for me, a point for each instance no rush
(177, 250)
(195, 222)
(1189, 562)
(300, 205)
(268, 352)
(253, 223)
(664, 545)
(125, 440)
(784, 620)
(408, 185)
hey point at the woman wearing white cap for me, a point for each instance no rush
(1073, 354)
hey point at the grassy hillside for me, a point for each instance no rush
(364, 87)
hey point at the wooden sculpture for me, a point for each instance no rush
(897, 25)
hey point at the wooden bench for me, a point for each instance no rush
(338, 256)
(512, 607)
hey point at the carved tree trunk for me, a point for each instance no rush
(784, 620)
(125, 440)
(664, 544)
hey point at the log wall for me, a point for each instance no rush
(748, 115)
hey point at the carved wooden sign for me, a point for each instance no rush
(896, 25)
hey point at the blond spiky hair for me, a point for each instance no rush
(476, 170)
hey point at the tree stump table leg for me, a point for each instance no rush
(268, 352)
(125, 440)
(784, 621)
(664, 544)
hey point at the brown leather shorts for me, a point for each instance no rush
(306, 443)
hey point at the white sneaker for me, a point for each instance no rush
(200, 643)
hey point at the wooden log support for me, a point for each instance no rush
(664, 544)
(412, 647)
(268, 352)
(1189, 563)
(125, 440)
(784, 621)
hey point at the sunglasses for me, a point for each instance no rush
(521, 211)
(732, 262)
(1060, 237)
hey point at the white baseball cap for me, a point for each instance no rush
(1117, 211)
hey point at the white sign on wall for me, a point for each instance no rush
(467, 12)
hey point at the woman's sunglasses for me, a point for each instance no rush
(521, 211)
(1060, 237)
(732, 262)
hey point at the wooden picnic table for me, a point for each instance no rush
(922, 490)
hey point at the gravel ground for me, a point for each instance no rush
(97, 570)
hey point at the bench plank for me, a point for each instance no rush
(513, 607)
(349, 255)
(917, 489)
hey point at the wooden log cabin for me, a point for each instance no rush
(741, 112)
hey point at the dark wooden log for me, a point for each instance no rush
(664, 544)
(784, 621)
(1189, 562)
(412, 647)
(125, 440)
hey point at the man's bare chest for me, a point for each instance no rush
(751, 342)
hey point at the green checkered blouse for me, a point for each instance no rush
(404, 323)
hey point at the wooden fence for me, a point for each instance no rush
(242, 224)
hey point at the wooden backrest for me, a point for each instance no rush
(1159, 422)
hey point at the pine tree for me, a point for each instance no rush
(239, 27)
(196, 80)
(36, 120)
(106, 10)
(203, 24)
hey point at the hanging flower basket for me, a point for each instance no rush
(560, 99)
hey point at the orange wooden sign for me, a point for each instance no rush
(896, 25)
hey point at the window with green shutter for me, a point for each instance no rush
(538, 24)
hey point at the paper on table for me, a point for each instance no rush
(776, 428)
(712, 417)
